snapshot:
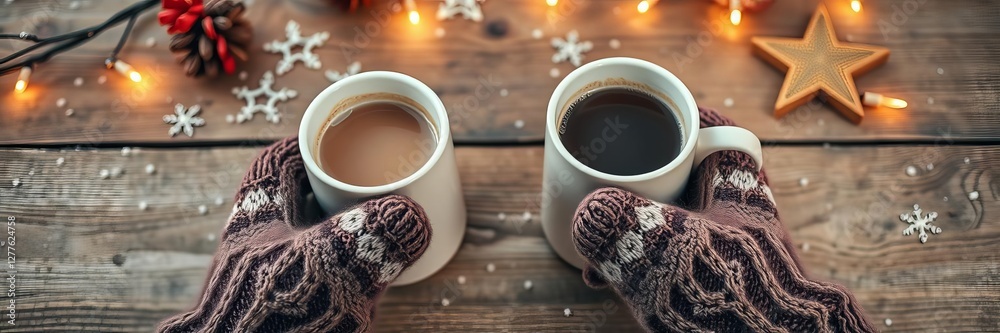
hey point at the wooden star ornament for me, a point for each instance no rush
(819, 63)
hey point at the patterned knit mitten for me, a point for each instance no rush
(274, 272)
(727, 265)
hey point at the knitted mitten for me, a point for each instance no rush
(274, 272)
(727, 265)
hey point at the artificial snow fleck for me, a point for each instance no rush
(974, 195)
(945, 199)
(104, 174)
(74, 5)
(888, 322)
(202, 209)
(490, 267)
(571, 48)
(526, 216)
(16, 182)
(78, 81)
(554, 72)
(269, 109)
(930, 166)
(728, 102)
(461, 279)
(805, 247)
(143, 205)
(911, 171)
(306, 56)
(614, 43)
(243, 75)
(150, 42)
(116, 172)
(150, 169)
(820, 122)
(126, 151)
(504, 93)
(519, 123)
(219, 201)
(230, 118)
(919, 223)
(101, 79)
(567, 312)
(31, 172)
(803, 181)
(61, 102)
(69, 112)
(469, 9)
(930, 100)
(537, 34)
(60, 161)
(940, 71)
(528, 284)
(966, 160)
(210, 237)
(439, 32)
(352, 69)
(169, 99)
(501, 216)
(445, 302)
(184, 120)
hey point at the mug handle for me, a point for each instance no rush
(719, 138)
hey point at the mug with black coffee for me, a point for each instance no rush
(628, 123)
(376, 133)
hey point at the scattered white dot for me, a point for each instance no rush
(554, 72)
(820, 122)
(966, 160)
(219, 201)
(805, 247)
(519, 123)
(230, 118)
(940, 71)
(728, 102)
(501, 216)
(528, 285)
(945, 198)
(930, 166)
(116, 172)
(461, 279)
(202, 209)
(504, 93)
(445, 302)
(803, 181)
(439, 32)
(69, 112)
(78, 81)
(143, 205)
(150, 169)
(104, 174)
(169, 99)
(930, 100)
(74, 5)
(537, 34)
(210, 236)
(973, 195)
(888, 322)
(101, 79)
(526, 216)
(61, 102)
(490, 267)
(126, 151)
(614, 43)
(16, 182)
(243, 75)
(567, 312)
(911, 171)
(60, 161)
(150, 42)
(31, 172)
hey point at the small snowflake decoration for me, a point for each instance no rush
(919, 223)
(184, 120)
(306, 56)
(571, 48)
(269, 109)
(469, 9)
(353, 68)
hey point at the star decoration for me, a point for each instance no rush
(920, 223)
(306, 56)
(353, 68)
(571, 48)
(469, 9)
(269, 108)
(184, 120)
(819, 63)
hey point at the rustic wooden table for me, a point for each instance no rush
(88, 259)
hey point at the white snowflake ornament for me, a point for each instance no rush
(919, 223)
(306, 56)
(571, 48)
(353, 68)
(469, 9)
(184, 120)
(269, 109)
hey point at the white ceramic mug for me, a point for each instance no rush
(566, 181)
(434, 185)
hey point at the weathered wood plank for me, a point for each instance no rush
(689, 38)
(90, 260)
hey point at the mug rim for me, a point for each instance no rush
(688, 102)
(313, 110)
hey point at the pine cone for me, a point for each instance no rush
(215, 41)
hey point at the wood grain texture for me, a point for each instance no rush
(89, 260)
(470, 65)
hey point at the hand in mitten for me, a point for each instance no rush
(274, 272)
(726, 265)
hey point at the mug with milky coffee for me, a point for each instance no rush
(376, 133)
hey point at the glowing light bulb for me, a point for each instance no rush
(22, 79)
(643, 6)
(135, 76)
(411, 7)
(735, 17)
(856, 6)
(875, 99)
(552, 3)
(126, 70)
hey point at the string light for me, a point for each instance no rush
(411, 7)
(22, 79)
(552, 3)
(735, 15)
(124, 69)
(644, 5)
(856, 6)
(875, 99)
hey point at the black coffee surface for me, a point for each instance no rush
(621, 131)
